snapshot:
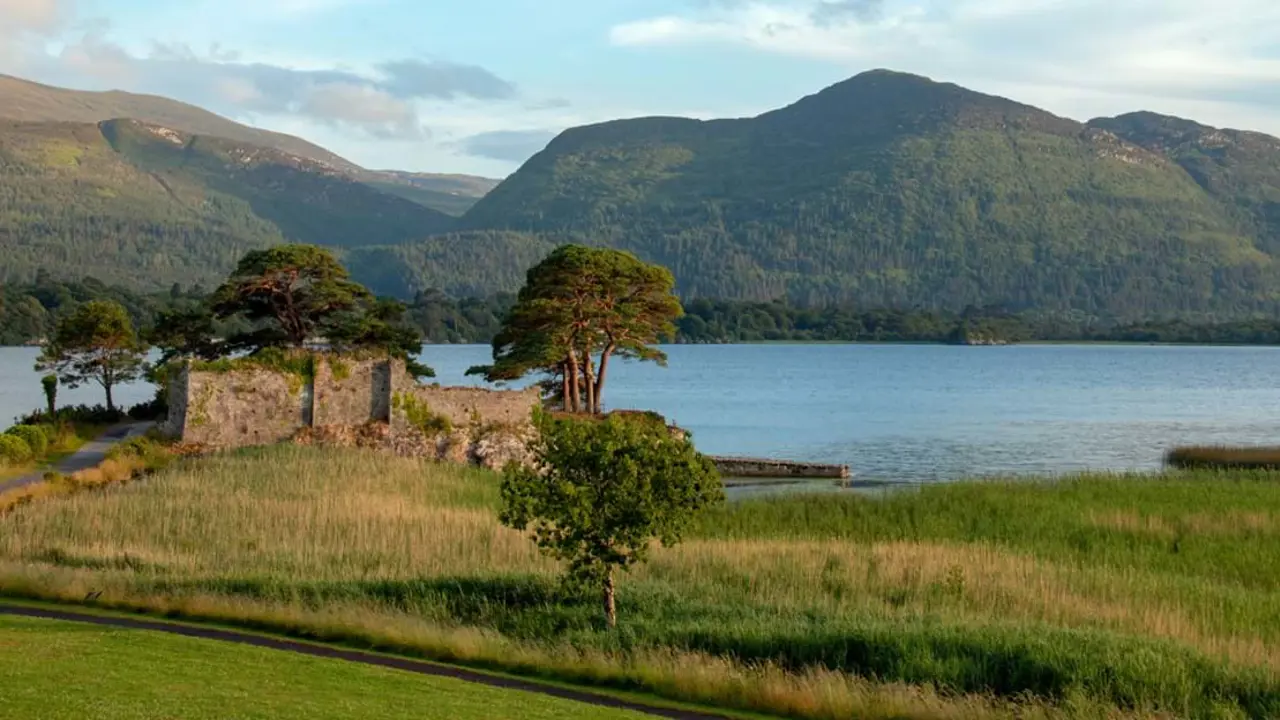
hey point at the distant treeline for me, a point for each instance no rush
(29, 312)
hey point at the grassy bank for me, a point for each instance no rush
(1092, 597)
(54, 670)
(66, 440)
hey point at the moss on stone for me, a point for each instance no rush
(419, 415)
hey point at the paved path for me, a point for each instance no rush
(420, 667)
(91, 454)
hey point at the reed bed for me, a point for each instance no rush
(1099, 596)
(1224, 458)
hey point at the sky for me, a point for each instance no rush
(479, 86)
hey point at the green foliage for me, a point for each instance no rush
(171, 206)
(577, 302)
(890, 191)
(96, 343)
(599, 493)
(379, 326)
(468, 264)
(154, 455)
(185, 331)
(14, 450)
(37, 437)
(420, 415)
(290, 292)
(74, 415)
(299, 366)
(49, 383)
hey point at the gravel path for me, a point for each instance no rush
(93, 453)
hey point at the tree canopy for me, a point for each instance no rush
(289, 292)
(580, 304)
(96, 343)
(599, 492)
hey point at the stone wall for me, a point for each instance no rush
(237, 409)
(348, 401)
(351, 392)
(463, 406)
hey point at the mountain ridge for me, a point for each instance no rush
(892, 189)
(883, 190)
(28, 101)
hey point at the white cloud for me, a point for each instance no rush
(362, 106)
(1177, 53)
(30, 15)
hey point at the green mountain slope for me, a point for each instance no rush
(1241, 169)
(28, 101)
(146, 205)
(451, 194)
(890, 189)
(469, 264)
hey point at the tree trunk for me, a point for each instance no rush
(111, 406)
(610, 607)
(566, 390)
(589, 381)
(573, 402)
(604, 368)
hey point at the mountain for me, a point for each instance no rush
(466, 264)
(147, 205)
(1240, 169)
(893, 190)
(451, 194)
(30, 102)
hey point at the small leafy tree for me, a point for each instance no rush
(601, 491)
(50, 384)
(289, 292)
(95, 343)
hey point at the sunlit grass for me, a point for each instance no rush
(52, 670)
(971, 600)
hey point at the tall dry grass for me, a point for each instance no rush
(788, 607)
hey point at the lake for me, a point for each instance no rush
(908, 413)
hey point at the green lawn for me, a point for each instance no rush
(52, 670)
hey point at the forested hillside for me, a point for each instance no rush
(25, 101)
(890, 190)
(884, 191)
(145, 205)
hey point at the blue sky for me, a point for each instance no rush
(477, 86)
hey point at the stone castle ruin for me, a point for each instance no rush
(348, 402)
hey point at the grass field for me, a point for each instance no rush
(1095, 597)
(51, 669)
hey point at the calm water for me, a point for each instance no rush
(910, 413)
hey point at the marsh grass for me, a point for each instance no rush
(1224, 458)
(1101, 596)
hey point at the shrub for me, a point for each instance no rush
(155, 409)
(14, 450)
(77, 414)
(37, 437)
(152, 454)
